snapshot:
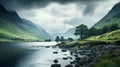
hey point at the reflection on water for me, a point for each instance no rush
(44, 58)
(34, 44)
(41, 56)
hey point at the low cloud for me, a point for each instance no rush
(57, 16)
(30, 4)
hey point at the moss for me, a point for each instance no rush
(109, 37)
(109, 60)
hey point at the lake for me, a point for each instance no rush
(38, 54)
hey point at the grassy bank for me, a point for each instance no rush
(107, 38)
(108, 59)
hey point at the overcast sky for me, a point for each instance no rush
(57, 16)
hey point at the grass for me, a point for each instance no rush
(107, 38)
(101, 24)
(108, 60)
(9, 30)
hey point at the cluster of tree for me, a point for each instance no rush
(105, 29)
(83, 31)
(70, 39)
(47, 40)
(62, 39)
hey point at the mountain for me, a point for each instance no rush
(56, 34)
(12, 27)
(69, 33)
(109, 37)
(112, 17)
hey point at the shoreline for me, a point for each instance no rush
(90, 54)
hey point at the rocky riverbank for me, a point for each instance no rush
(91, 55)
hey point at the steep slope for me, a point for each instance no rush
(112, 17)
(42, 33)
(12, 27)
(108, 37)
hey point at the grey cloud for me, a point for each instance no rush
(89, 9)
(74, 21)
(77, 21)
(29, 4)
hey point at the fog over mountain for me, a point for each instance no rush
(13, 27)
(57, 16)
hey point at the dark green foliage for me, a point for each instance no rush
(57, 39)
(82, 31)
(114, 27)
(92, 31)
(105, 29)
(108, 28)
(70, 39)
(47, 40)
(62, 40)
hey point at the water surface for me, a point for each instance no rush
(40, 55)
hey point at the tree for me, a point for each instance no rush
(62, 40)
(103, 30)
(92, 31)
(70, 39)
(57, 39)
(108, 28)
(82, 31)
(114, 27)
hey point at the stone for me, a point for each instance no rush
(69, 65)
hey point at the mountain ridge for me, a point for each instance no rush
(13, 27)
(112, 17)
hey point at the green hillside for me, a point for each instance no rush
(13, 28)
(107, 37)
(9, 31)
(106, 46)
(102, 48)
(110, 37)
(112, 17)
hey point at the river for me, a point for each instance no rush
(40, 55)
